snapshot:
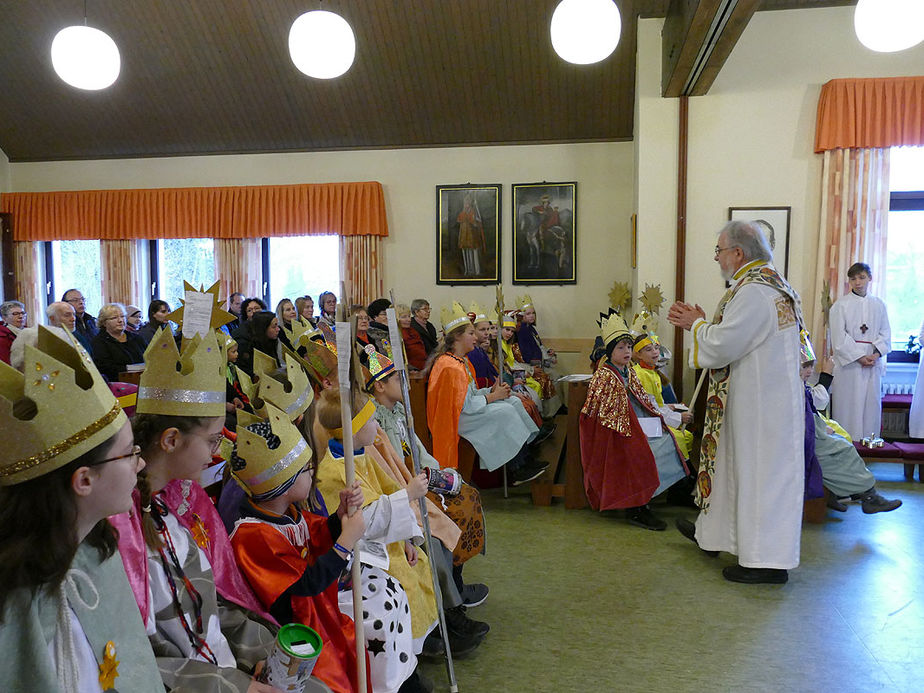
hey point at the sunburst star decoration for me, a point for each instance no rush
(621, 296)
(652, 299)
(219, 315)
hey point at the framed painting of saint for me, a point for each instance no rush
(468, 236)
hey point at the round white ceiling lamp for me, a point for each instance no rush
(887, 26)
(85, 57)
(322, 44)
(585, 31)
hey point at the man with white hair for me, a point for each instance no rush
(60, 315)
(751, 479)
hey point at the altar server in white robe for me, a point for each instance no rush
(861, 339)
(916, 415)
(751, 477)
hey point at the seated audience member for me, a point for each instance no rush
(113, 348)
(493, 421)
(234, 307)
(413, 344)
(132, 318)
(293, 558)
(56, 546)
(261, 331)
(366, 336)
(157, 318)
(286, 314)
(60, 315)
(390, 522)
(203, 620)
(420, 310)
(304, 306)
(842, 469)
(629, 455)
(645, 353)
(529, 349)
(236, 391)
(13, 315)
(328, 303)
(249, 308)
(378, 324)
(459, 527)
(86, 323)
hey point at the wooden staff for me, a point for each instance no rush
(344, 362)
(699, 385)
(397, 349)
(500, 353)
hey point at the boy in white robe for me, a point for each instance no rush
(861, 339)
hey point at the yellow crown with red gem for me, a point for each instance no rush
(53, 412)
(452, 316)
(187, 383)
(477, 314)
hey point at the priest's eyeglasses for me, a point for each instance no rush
(136, 451)
(719, 250)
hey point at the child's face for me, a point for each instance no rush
(482, 332)
(492, 332)
(649, 355)
(232, 353)
(117, 478)
(507, 333)
(529, 316)
(194, 450)
(622, 354)
(806, 371)
(302, 487)
(859, 283)
(366, 435)
(466, 341)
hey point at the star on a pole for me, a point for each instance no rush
(621, 296)
(219, 315)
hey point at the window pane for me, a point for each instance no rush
(906, 169)
(77, 266)
(303, 265)
(904, 283)
(183, 259)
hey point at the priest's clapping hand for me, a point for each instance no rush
(684, 315)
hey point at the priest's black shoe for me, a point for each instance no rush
(688, 529)
(755, 576)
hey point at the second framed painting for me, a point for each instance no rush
(544, 233)
(468, 234)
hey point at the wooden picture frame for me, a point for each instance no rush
(774, 222)
(544, 233)
(468, 239)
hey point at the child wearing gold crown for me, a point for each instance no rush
(495, 423)
(528, 348)
(67, 615)
(202, 618)
(629, 455)
(392, 533)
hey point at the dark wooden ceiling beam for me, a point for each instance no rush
(697, 38)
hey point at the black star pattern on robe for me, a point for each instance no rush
(376, 646)
(390, 588)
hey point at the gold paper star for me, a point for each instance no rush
(652, 298)
(219, 316)
(621, 296)
(109, 668)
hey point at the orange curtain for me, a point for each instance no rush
(238, 266)
(854, 223)
(870, 113)
(345, 209)
(119, 274)
(360, 269)
(26, 267)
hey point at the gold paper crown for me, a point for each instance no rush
(191, 383)
(524, 302)
(612, 325)
(291, 393)
(644, 323)
(301, 332)
(75, 409)
(263, 469)
(477, 313)
(319, 361)
(452, 316)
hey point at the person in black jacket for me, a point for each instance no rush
(420, 310)
(113, 348)
(157, 318)
(260, 332)
(86, 324)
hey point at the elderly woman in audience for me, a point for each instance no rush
(132, 318)
(113, 348)
(304, 305)
(157, 318)
(260, 332)
(13, 315)
(420, 310)
(413, 344)
(328, 302)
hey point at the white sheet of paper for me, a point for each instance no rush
(397, 348)
(197, 314)
(373, 553)
(344, 349)
(574, 378)
(651, 425)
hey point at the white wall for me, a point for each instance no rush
(604, 173)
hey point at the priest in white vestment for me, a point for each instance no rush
(861, 339)
(751, 479)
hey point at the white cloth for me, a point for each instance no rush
(28, 336)
(83, 659)
(916, 415)
(756, 500)
(855, 392)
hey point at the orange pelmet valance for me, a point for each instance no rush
(346, 209)
(870, 113)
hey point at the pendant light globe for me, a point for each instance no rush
(887, 26)
(85, 57)
(585, 31)
(322, 44)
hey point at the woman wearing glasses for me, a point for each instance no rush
(12, 320)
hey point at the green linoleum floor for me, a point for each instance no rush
(585, 602)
